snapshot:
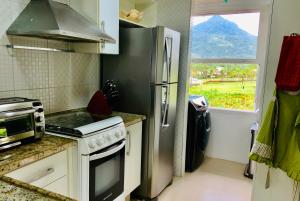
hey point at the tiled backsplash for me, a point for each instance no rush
(61, 80)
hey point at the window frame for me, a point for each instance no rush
(240, 7)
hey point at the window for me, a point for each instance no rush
(224, 59)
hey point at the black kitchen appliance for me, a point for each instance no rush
(198, 131)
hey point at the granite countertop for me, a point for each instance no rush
(129, 119)
(21, 156)
(14, 190)
(11, 189)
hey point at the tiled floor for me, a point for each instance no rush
(215, 180)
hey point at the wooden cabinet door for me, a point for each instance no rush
(133, 158)
(43, 172)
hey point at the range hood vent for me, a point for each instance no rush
(53, 20)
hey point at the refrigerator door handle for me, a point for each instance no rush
(166, 107)
(166, 62)
(169, 44)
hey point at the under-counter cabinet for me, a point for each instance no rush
(51, 173)
(132, 176)
(105, 13)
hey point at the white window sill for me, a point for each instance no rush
(224, 110)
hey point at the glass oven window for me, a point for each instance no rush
(15, 125)
(107, 175)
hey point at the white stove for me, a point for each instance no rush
(101, 152)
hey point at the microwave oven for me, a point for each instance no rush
(21, 121)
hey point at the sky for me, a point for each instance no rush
(247, 21)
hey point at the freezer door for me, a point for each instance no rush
(132, 69)
(168, 45)
(162, 169)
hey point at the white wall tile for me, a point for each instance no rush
(30, 69)
(82, 94)
(60, 99)
(7, 94)
(60, 70)
(6, 70)
(70, 97)
(83, 69)
(42, 94)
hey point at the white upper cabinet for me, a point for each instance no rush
(105, 13)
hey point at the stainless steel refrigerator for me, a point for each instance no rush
(147, 72)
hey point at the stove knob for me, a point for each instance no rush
(122, 132)
(40, 110)
(117, 134)
(39, 119)
(35, 104)
(100, 142)
(108, 137)
(40, 129)
(92, 144)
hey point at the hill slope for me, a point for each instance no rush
(221, 38)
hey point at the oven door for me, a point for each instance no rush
(16, 125)
(106, 180)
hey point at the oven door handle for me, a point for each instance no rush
(108, 152)
(15, 113)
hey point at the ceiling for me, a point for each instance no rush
(203, 7)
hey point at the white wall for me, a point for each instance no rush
(281, 185)
(230, 136)
(285, 20)
(61, 80)
(176, 14)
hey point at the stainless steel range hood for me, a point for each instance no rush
(54, 20)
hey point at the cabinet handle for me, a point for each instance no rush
(129, 143)
(41, 175)
(102, 27)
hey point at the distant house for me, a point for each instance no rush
(195, 81)
(219, 70)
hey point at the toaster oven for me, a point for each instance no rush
(21, 121)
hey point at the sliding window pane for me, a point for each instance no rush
(230, 86)
(231, 36)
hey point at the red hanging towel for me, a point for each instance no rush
(288, 71)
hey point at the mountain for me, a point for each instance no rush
(221, 38)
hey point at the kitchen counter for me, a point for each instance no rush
(23, 155)
(14, 190)
(129, 119)
(13, 159)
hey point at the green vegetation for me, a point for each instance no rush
(229, 86)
